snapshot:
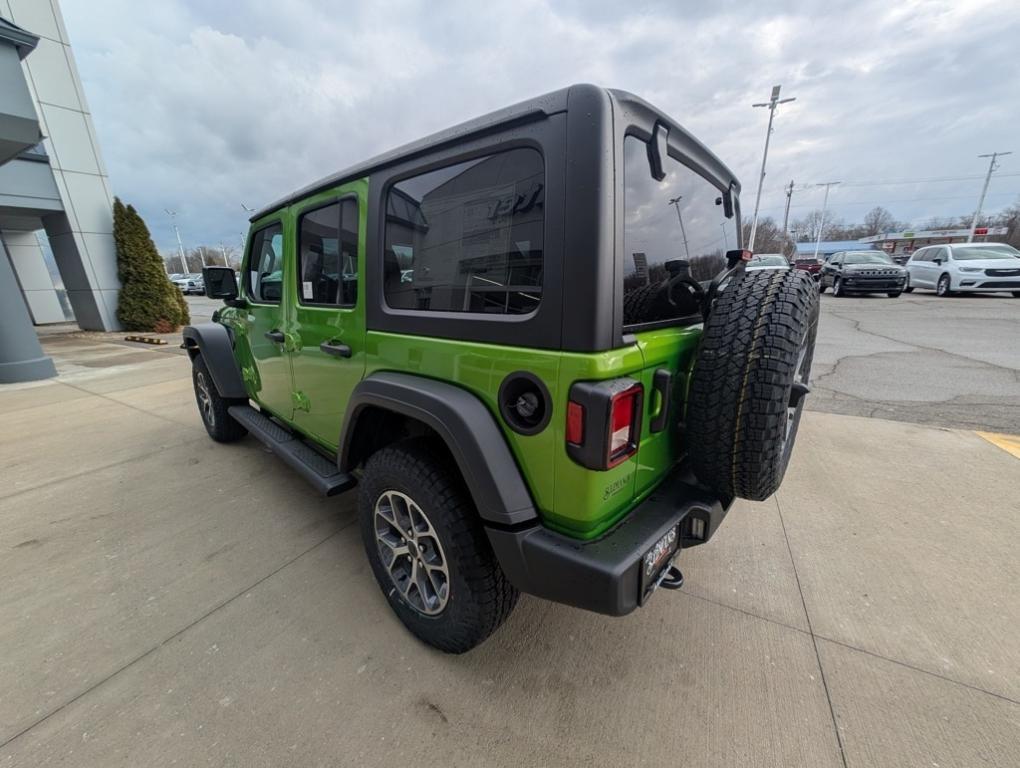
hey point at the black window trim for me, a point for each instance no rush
(300, 213)
(420, 170)
(276, 221)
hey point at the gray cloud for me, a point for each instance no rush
(200, 106)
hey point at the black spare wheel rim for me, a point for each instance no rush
(750, 380)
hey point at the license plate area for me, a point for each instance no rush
(657, 559)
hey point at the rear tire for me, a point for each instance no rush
(894, 294)
(212, 407)
(416, 481)
(749, 380)
(1015, 294)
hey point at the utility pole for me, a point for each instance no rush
(772, 103)
(984, 191)
(675, 202)
(825, 205)
(180, 246)
(786, 213)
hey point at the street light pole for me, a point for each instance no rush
(180, 246)
(786, 213)
(675, 202)
(825, 205)
(772, 103)
(984, 191)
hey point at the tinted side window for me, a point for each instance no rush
(676, 218)
(328, 255)
(264, 276)
(468, 237)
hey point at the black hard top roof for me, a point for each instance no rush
(525, 111)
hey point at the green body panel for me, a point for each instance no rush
(310, 390)
(266, 365)
(324, 383)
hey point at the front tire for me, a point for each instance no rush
(894, 294)
(212, 407)
(944, 287)
(837, 287)
(428, 550)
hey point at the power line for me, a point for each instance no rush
(894, 202)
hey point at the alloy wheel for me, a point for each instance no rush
(410, 552)
(205, 403)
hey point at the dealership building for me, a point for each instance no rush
(905, 243)
(57, 256)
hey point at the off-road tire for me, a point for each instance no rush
(480, 596)
(739, 430)
(217, 421)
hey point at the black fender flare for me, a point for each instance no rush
(217, 347)
(466, 426)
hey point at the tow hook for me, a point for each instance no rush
(673, 578)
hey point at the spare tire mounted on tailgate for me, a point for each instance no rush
(749, 381)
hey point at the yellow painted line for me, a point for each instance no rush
(1008, 443)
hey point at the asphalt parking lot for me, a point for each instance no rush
(170, 601)
(951, 362)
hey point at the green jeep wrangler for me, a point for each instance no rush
(529, 344)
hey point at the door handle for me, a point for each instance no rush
(335, 348)
(276, 336)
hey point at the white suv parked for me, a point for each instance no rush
(965, 267)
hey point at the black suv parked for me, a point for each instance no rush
(862, 272)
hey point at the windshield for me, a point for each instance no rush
(768, 260)
(970, 253)
(867, 257)
(677, 218)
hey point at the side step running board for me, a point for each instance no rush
(312, 465)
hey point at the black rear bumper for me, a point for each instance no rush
(604, 575)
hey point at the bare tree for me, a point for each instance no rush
(769, 238)
(877, 221)
(808, 226)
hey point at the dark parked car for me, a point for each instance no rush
(862, 272)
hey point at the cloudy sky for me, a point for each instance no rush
(202, 105)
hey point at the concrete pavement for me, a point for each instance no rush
(167, 600)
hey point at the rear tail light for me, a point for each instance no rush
(604, 422)
(624, 417)
(575, 423)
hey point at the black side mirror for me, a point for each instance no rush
(937, 260)
(220, 283)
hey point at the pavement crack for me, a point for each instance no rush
(814, 638)
(174, 636)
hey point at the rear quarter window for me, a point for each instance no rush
(468, 237)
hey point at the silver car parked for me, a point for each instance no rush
(964, 268)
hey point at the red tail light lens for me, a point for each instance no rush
(623, 421)
(575, 423)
